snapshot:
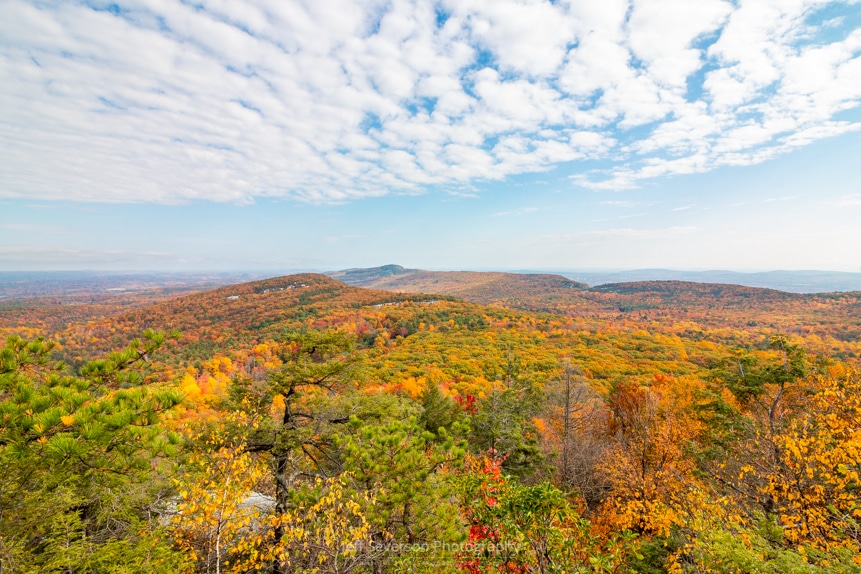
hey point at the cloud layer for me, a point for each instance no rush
(326, 101)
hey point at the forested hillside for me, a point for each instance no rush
(829, 322)
(34, 303)
(507, 423)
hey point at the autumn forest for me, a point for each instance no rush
(385, 421)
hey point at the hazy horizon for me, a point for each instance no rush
(324, 270)
(23, 284)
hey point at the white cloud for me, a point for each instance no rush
(631, 216)
(615, 233)
(33, 228)
(850, 200)
(521, 211)
(621, 203)
(330, 101)
(662, 33)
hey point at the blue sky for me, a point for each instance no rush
(468, 134)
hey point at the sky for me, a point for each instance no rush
(450, 134)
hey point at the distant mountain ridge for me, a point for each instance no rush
(357, 276)
(716, 305)
(480, 286)
(809, 281)
(396, 277)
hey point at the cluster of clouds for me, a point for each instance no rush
(331, 100)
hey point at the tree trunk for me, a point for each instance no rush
(566, 424)
(281, 503)
(282, 484)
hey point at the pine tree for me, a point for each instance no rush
(314, 364)
(398, 464)
(81, 462)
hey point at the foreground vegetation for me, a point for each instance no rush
(346, 430)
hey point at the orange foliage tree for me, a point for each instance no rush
(647, 466)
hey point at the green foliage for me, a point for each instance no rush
(314, 364)
(114, 371)
(748, 376)
(401, 465)
(760, 550)
(289, 417)
(440, 414)
(26, 358)
(80, 465)
(314, 358)
(653, 555)
(504, 424)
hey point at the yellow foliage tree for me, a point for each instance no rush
(218, 517)
(332, 535)
(815, 484)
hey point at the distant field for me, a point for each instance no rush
(21, 285)
(41, 304)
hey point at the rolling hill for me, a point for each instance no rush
(486, 287)
(806, 281)
(721, 310)
(239, 315)
(233, 316)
